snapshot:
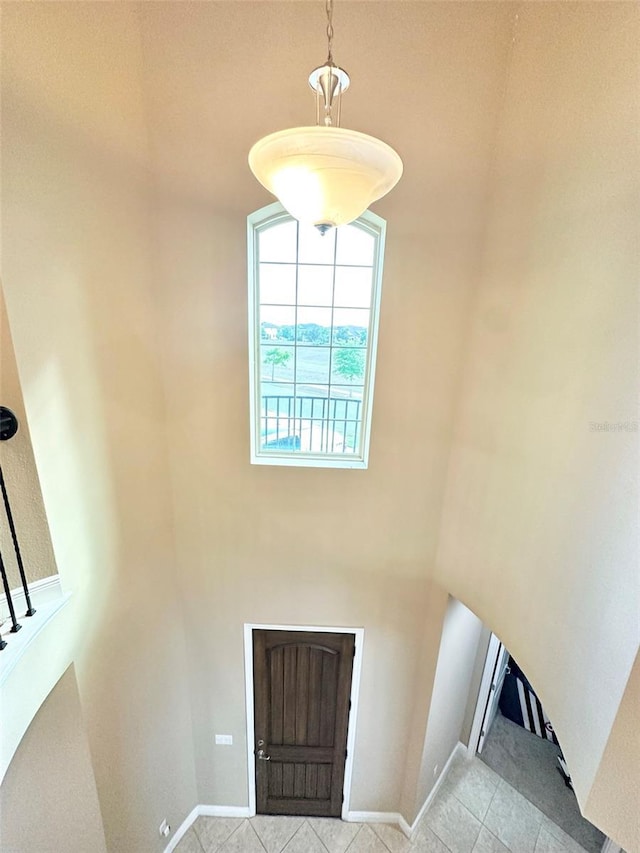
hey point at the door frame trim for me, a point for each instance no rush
(249, 628)
(483, 694)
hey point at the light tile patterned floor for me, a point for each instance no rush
(475, 811)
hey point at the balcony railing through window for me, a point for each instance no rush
(310, 424)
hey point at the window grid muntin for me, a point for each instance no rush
(297, 421)
(374, 226)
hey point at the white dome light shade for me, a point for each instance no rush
(325, 176)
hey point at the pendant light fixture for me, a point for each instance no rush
(325, 175)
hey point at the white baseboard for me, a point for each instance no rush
(224, 811)
(244, 811)
(181, 831)
(204, 811)
(459, 749)
(373, 817)
(398, 819)
(404, 826)
(353, 817)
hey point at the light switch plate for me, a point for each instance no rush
(224, 740)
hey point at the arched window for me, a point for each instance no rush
(314, 302)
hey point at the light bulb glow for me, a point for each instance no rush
(300, 192)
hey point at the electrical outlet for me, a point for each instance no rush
(164, 829)
(224, 740)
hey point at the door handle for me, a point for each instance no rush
(260, 755)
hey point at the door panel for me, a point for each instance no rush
(302, 684)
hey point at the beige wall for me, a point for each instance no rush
(313, 546)
(21, 479)
(433, 617)
(78, 276)
(124, 136)
(610, 803)
(538, 532)
(461, 633)
(52, 764)
(262, 544)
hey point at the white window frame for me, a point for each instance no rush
(257, 221)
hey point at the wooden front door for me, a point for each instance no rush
(302, 684)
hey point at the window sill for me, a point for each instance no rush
(309, 461)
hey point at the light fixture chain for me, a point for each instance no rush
(329, 8)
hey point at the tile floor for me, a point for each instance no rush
(475, 811)
(529, 764)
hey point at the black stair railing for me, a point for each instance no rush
(8, 428)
